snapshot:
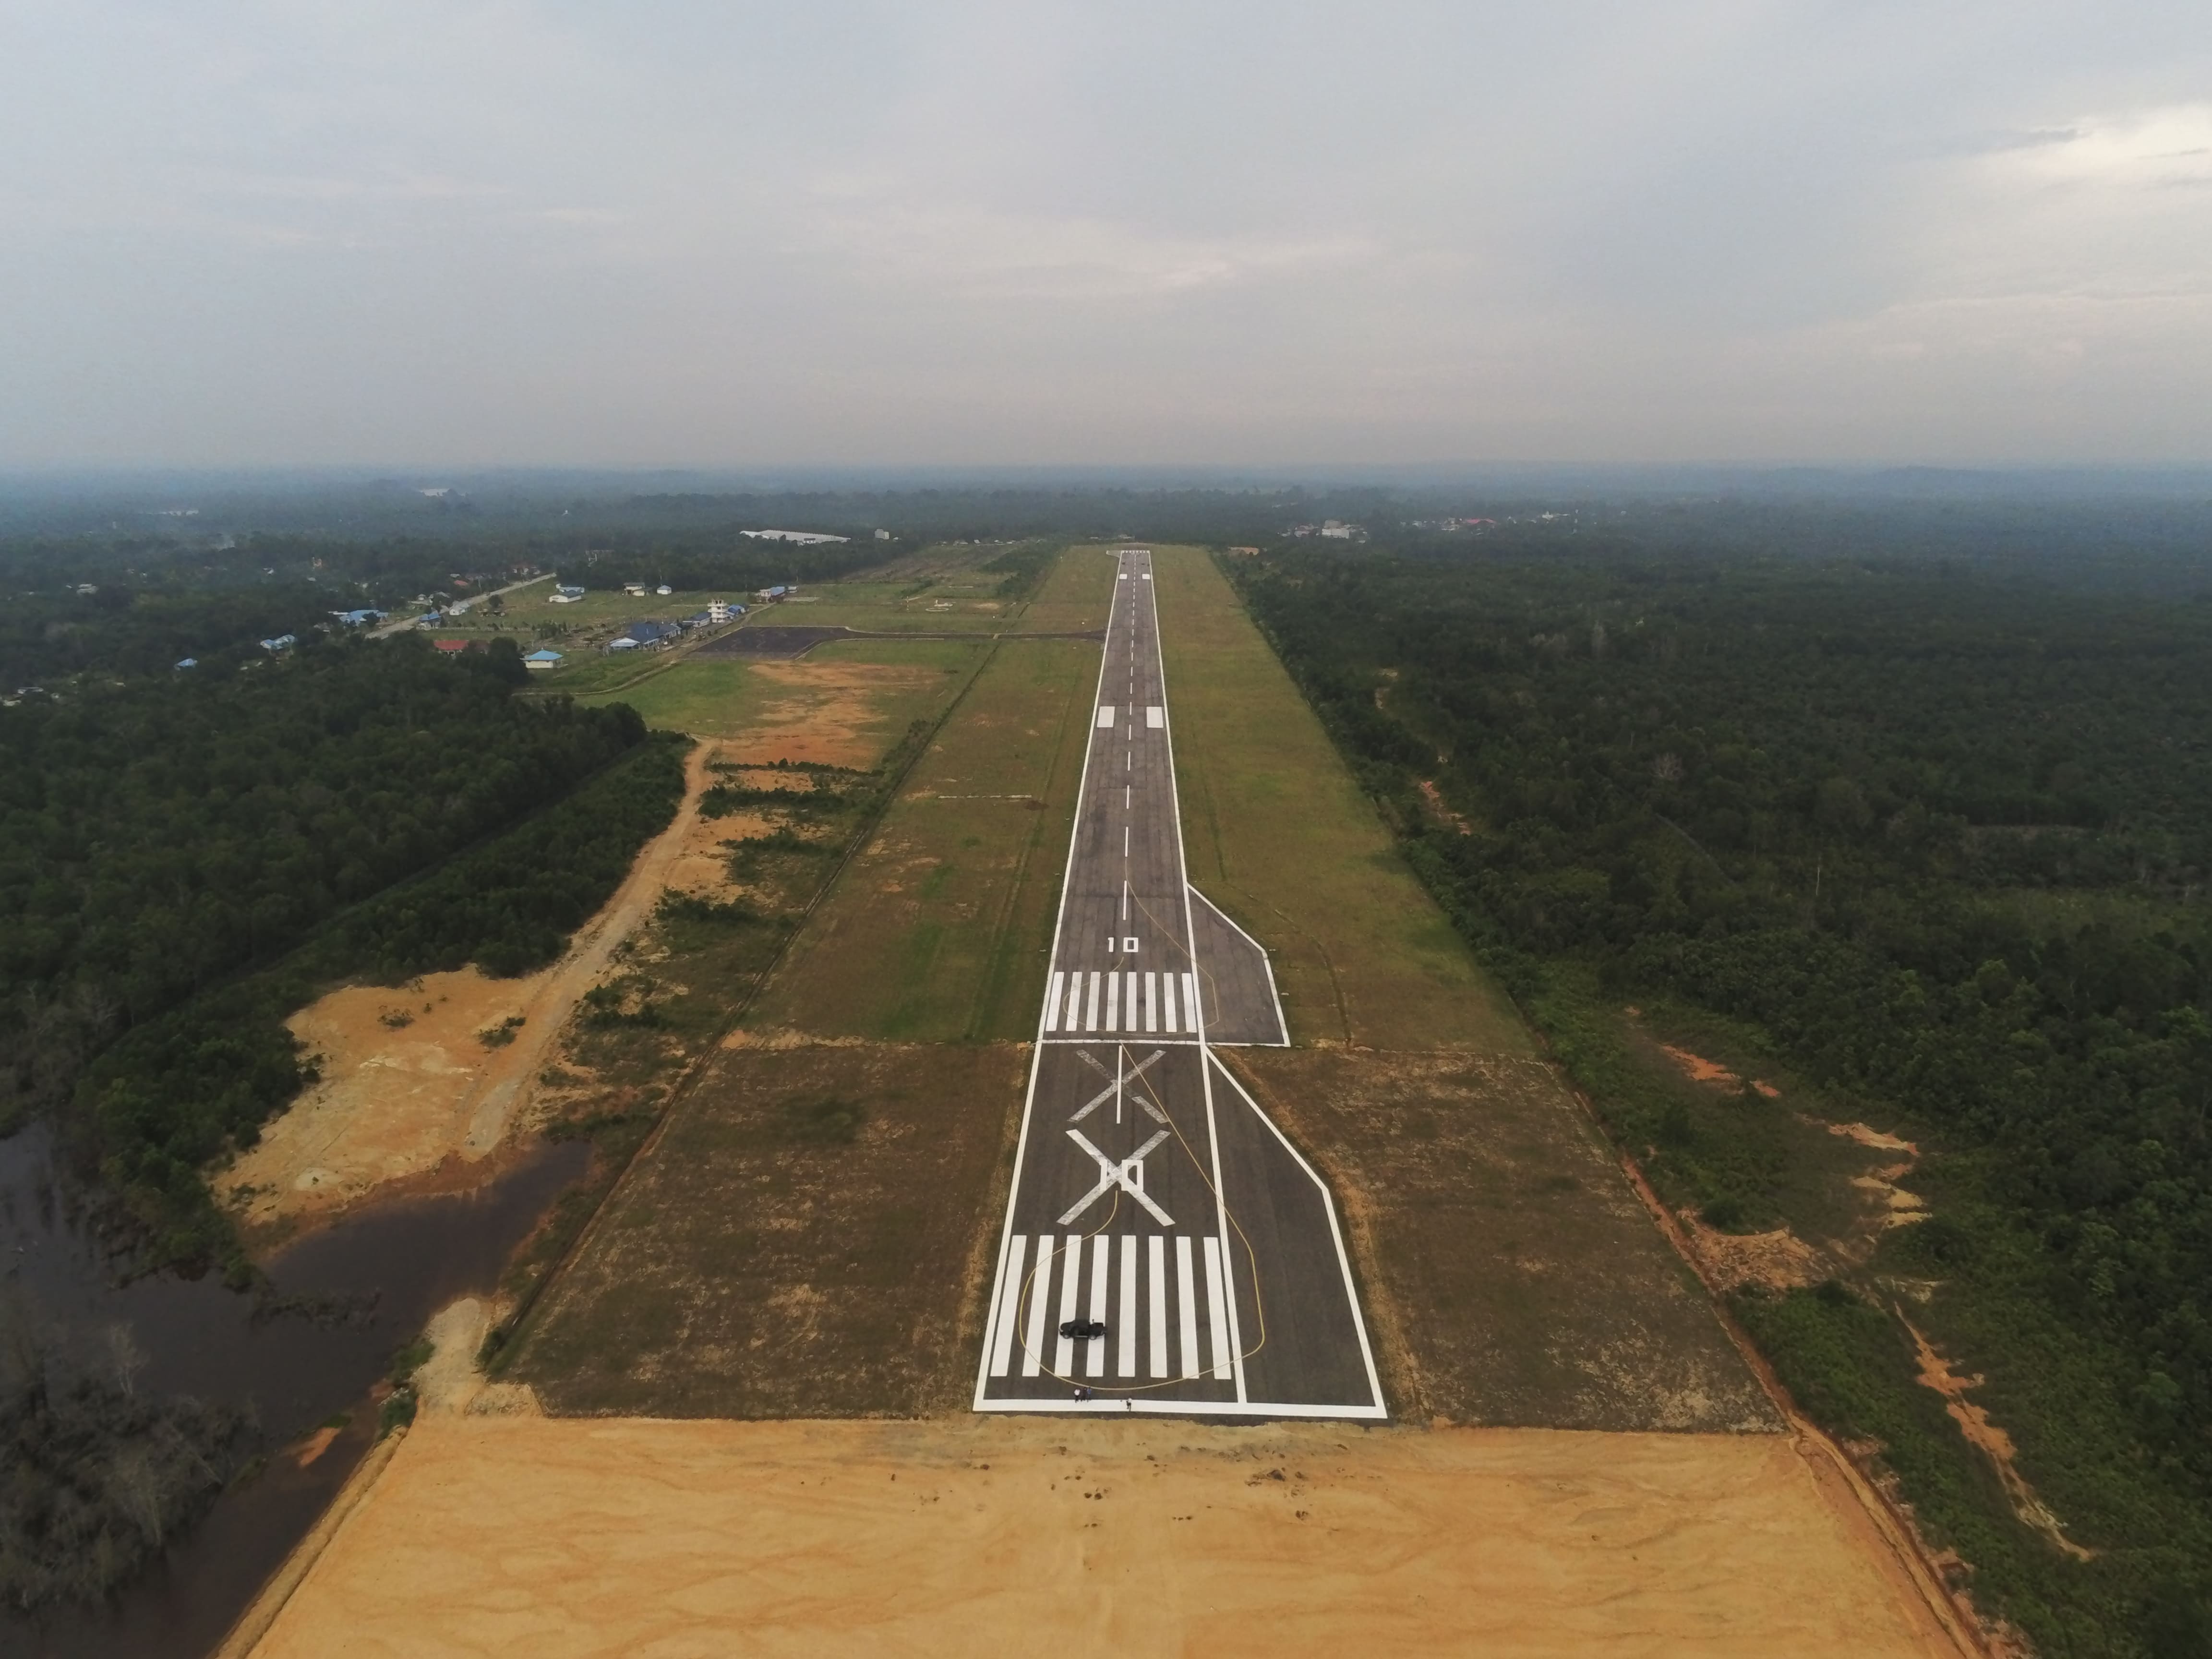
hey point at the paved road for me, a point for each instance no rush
(401, 624)
(1150, 1194)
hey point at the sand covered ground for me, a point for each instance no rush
(496, 1535)
(411, 1091)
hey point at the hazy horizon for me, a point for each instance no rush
(1214, 237)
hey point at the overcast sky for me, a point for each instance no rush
(1212, 231)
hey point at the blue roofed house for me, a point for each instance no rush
(643, 636)
(540, 661)
(282, 642)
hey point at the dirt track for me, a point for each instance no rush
(525, 1535)
(398, 1102)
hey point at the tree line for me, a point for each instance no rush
(1941, 840)
(185, 860)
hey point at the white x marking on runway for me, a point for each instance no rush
(1122, 1081)
(1129, 1174)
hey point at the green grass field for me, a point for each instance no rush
(708, 699)
(938, 932)
(1277, 833)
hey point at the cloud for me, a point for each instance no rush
(241, 230)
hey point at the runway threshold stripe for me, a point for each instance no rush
(1190, 1003)
(1151, 1002)
(1094, 1350)
(1052, 1002)
(1167, 998)
(1009, 1305)
(1131, 1004)
(1091, 1008)
(1073, 1013)
(1187, 1305)
(1113, 1002)
(1070, 1275)
(1158, 1354)
(1040, 1291)
(1215, 1313)
(1127, 1357)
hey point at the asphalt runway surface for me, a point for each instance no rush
(1150, 1195)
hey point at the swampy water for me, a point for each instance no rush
(348, 1297)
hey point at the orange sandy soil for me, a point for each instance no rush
(523, 1536)
(427, 1102)
(826, 713)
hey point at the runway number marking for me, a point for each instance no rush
(1129, 1174)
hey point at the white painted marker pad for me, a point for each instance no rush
(1185, 1305)
(1010, 1307)
(1039, 1289)
(1214, 1313)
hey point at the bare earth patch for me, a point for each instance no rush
(828, 713)
(497, 1536)
(411, 1091)
(1987, 1438)
(1512, 1275)
(806, 1239)
(1776, 1260)
(1698, 1069)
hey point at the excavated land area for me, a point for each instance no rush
(497, 1536)
(423, 1086)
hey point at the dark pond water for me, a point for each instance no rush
(374, 1281)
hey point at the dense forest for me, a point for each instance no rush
(186, 857)
(1940, 841)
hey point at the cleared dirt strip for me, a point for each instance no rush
(503, 1535)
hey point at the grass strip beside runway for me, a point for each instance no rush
(1278, 834)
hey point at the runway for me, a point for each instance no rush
(1150, 1195)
